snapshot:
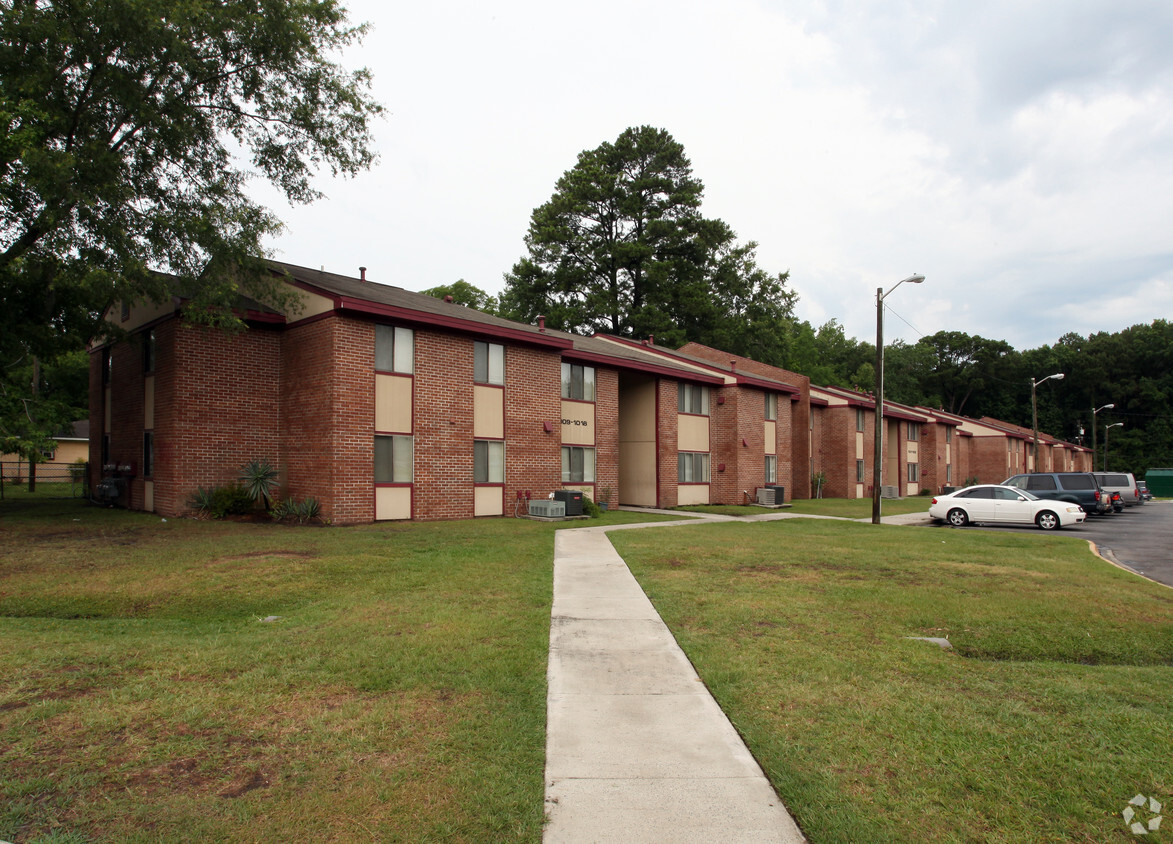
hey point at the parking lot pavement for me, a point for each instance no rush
(1137, 539)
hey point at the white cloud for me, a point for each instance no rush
(1015, 153)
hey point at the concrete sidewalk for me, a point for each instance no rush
(637, 750)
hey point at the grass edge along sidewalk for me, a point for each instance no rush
(400, 695)
(1054, 708)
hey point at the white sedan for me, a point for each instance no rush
(994, 504)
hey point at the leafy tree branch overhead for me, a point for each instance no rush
(131, 128)
(129, 131)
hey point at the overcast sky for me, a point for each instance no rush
(1018, 154)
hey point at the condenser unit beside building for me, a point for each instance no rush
(545, 508)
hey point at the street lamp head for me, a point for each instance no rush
(1058, 376)
(914, 279)
(1114, 425)
(1107, 407)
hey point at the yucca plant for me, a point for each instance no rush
(259, 479)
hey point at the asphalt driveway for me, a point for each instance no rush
(1138, 538)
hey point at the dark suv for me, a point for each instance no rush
(1075, 487)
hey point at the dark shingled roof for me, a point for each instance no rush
(352, 293)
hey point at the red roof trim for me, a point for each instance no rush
(748, 380)
(640, 366)
(362, 306)
(772, 386)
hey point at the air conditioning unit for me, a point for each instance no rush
(889, 492)
(546, 508)
(766, 496)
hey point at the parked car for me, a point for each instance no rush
(1121, 482)
(1073, 487)
(997, 504)
(1143, 488)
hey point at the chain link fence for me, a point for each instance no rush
(51, 480)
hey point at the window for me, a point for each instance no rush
(578, 465)
(488, 462)
(693, 398)
(488, 363)
(948, 434)
(859, 419)
(913, 431)
(771, 405)
(578, 382)
(393, 460)
(107, 367)
(913, 473)
(693, 467)
(771, 468)
(948, 471)
(149, 352)
(859, 471)
(980, 492)
(393, 349)
(148, 454)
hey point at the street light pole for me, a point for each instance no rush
(1106, 429)
(1034, 413)
(1094, 412)
(878, 456)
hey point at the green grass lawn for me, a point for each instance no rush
(1053, 710)
(400, 696)
(848, 508)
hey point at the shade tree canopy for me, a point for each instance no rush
(128, 132)
(622, 248)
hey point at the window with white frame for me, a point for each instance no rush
(859, 471)
(948, 434)
(693, 467)
(488, 462)
(693, 398)
(948, 473)
(771, 406)
(859, 419)
(394, 349)
(393, 460)
(913, 473)
(578, 465)
(578, 382)
(771, 468)
(913, 431)
(488, 363)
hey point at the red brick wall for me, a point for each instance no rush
(352, 424)
(794, 456)
(667, 464)
(533, 395)
(217, 406)
(606, 433)
(307, 395)
(443, 426)
(989, 459)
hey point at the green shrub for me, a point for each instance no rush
(590, 508)
(221, 501)
(201, 500)
(311, 508)
(258, 478)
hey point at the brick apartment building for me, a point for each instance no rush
(387, 404)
